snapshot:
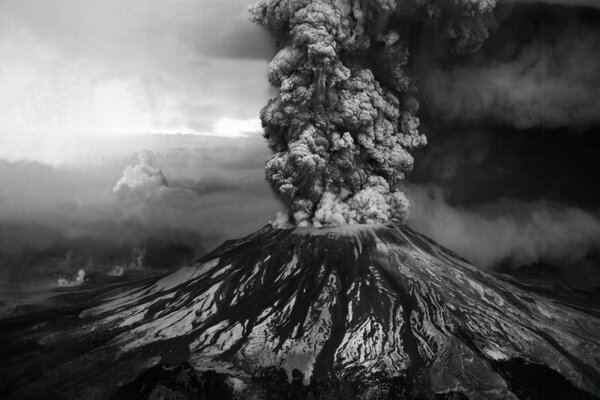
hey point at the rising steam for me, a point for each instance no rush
(142, 175)
(76, 281)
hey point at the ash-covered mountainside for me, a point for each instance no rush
(355, 312)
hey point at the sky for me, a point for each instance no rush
(82, 67)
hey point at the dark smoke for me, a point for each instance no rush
(346, 118)
(340, 137)
(508, 178)
(539, 68)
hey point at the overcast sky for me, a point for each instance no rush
(87, 67)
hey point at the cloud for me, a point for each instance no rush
(141, 176)
(341, 138)
(539, 70)
(87, 67)
(507, 231)
(572, 3)
(180, 199)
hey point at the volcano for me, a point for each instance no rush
(351, 312)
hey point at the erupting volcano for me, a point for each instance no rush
(338, 298)
(364, 311)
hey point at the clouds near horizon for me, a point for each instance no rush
(190, 192)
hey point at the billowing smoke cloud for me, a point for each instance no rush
(142, 175)
(340, 138)
(345, 120)
(509, 232)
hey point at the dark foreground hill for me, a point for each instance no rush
(359, 312)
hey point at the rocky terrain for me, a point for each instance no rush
(353, 312)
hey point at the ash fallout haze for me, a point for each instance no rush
(300, 199)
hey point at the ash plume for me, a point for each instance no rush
(345, 120)
(340, 138)
(352, 74)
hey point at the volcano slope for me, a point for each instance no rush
(365, 312)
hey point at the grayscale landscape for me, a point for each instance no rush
(300, 199)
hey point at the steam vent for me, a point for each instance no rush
(354, 312)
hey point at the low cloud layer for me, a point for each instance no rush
(509, 232)
(174, 203)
